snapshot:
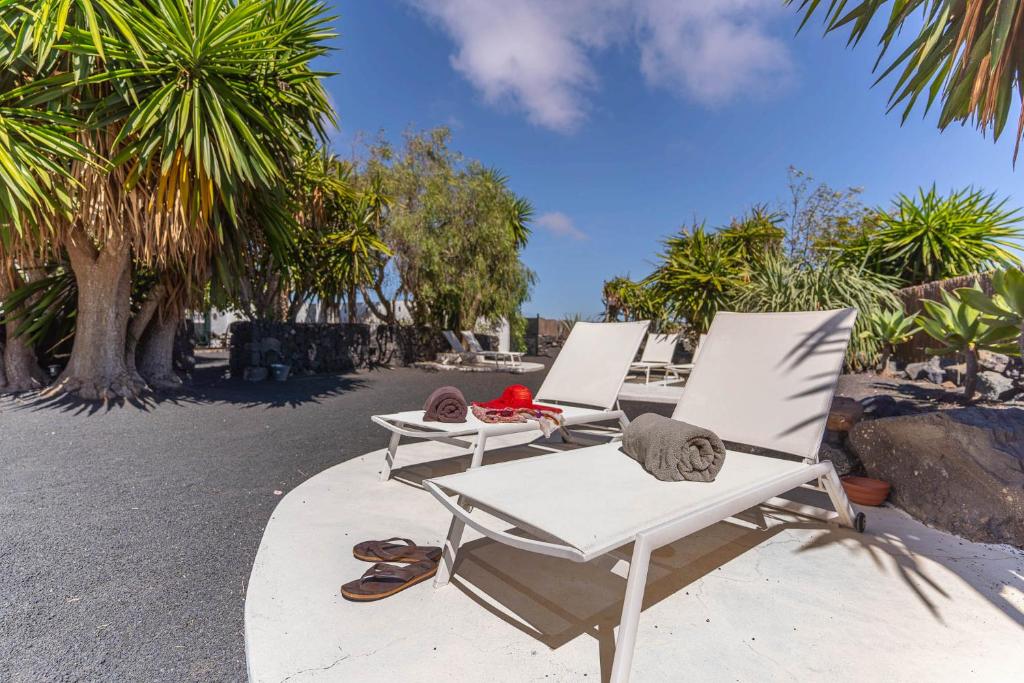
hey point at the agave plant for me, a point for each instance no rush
(961, 329)
(890, 328)
(1006, 306)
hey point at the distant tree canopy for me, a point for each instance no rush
(824, 249)
(418, 224)
(455, 231)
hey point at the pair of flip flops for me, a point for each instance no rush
(383, 580)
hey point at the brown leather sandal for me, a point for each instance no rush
(383, 580)
(387, 551)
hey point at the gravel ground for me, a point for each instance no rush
(127, 534)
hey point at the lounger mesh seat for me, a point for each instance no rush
(583, 381)
(763, 380)
(611, 495)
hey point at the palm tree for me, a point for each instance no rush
(186, 107)
(964, 53)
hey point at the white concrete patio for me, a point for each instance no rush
(796, 601)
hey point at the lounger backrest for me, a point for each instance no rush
(593, 363)
(454, 342)
(659, 348)
(696, 349)
(767, 379)
(472, 341)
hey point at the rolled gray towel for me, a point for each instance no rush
(672, 450)
(445, 404)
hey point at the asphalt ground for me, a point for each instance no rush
(127, 533)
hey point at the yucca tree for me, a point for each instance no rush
(354, 251)
(930, 237)
(961, 329)
(628, 300)
(1005, 306)
(36, 148)
(890, 328)
(186, 107)
(698, 274)
(755, 235)
(965, 54)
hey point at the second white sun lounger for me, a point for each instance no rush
(657, 354)
(583, 381)
(764, 380)
(512, 357)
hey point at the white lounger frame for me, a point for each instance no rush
(514, 358)
(730, 337)
(657, 355)
(572, 381)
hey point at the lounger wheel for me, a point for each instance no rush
(860, 522)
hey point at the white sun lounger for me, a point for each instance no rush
(512, 357)
(583, 381)
(456, 346)
(657, 354)
(676, 368)
(764, 380)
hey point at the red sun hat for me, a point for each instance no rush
(516, 396)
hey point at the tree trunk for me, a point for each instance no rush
(351, 304)
(971, 374)
(20, 365)
(886, 355)
(97, 369)
(140, 323)
(157, 362)
(19, 369)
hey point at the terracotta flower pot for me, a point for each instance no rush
(866, 491)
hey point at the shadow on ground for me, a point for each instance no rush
(211, 383)
(555, 601)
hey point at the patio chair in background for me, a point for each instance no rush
(513, 357)
(657, 355)
(457, 347)
(678, 369)
(583, 381)
(764, 380)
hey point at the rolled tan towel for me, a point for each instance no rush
(445, 404)
(673, 450)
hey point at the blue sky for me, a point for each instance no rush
(623, 119)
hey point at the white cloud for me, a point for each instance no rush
(560, 225)
(712, 51)
(539, 54)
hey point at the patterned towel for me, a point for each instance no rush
(548, 420)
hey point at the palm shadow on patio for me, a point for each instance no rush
(555, 601)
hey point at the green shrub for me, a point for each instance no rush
(782, 284)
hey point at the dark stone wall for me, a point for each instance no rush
(328, 348)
